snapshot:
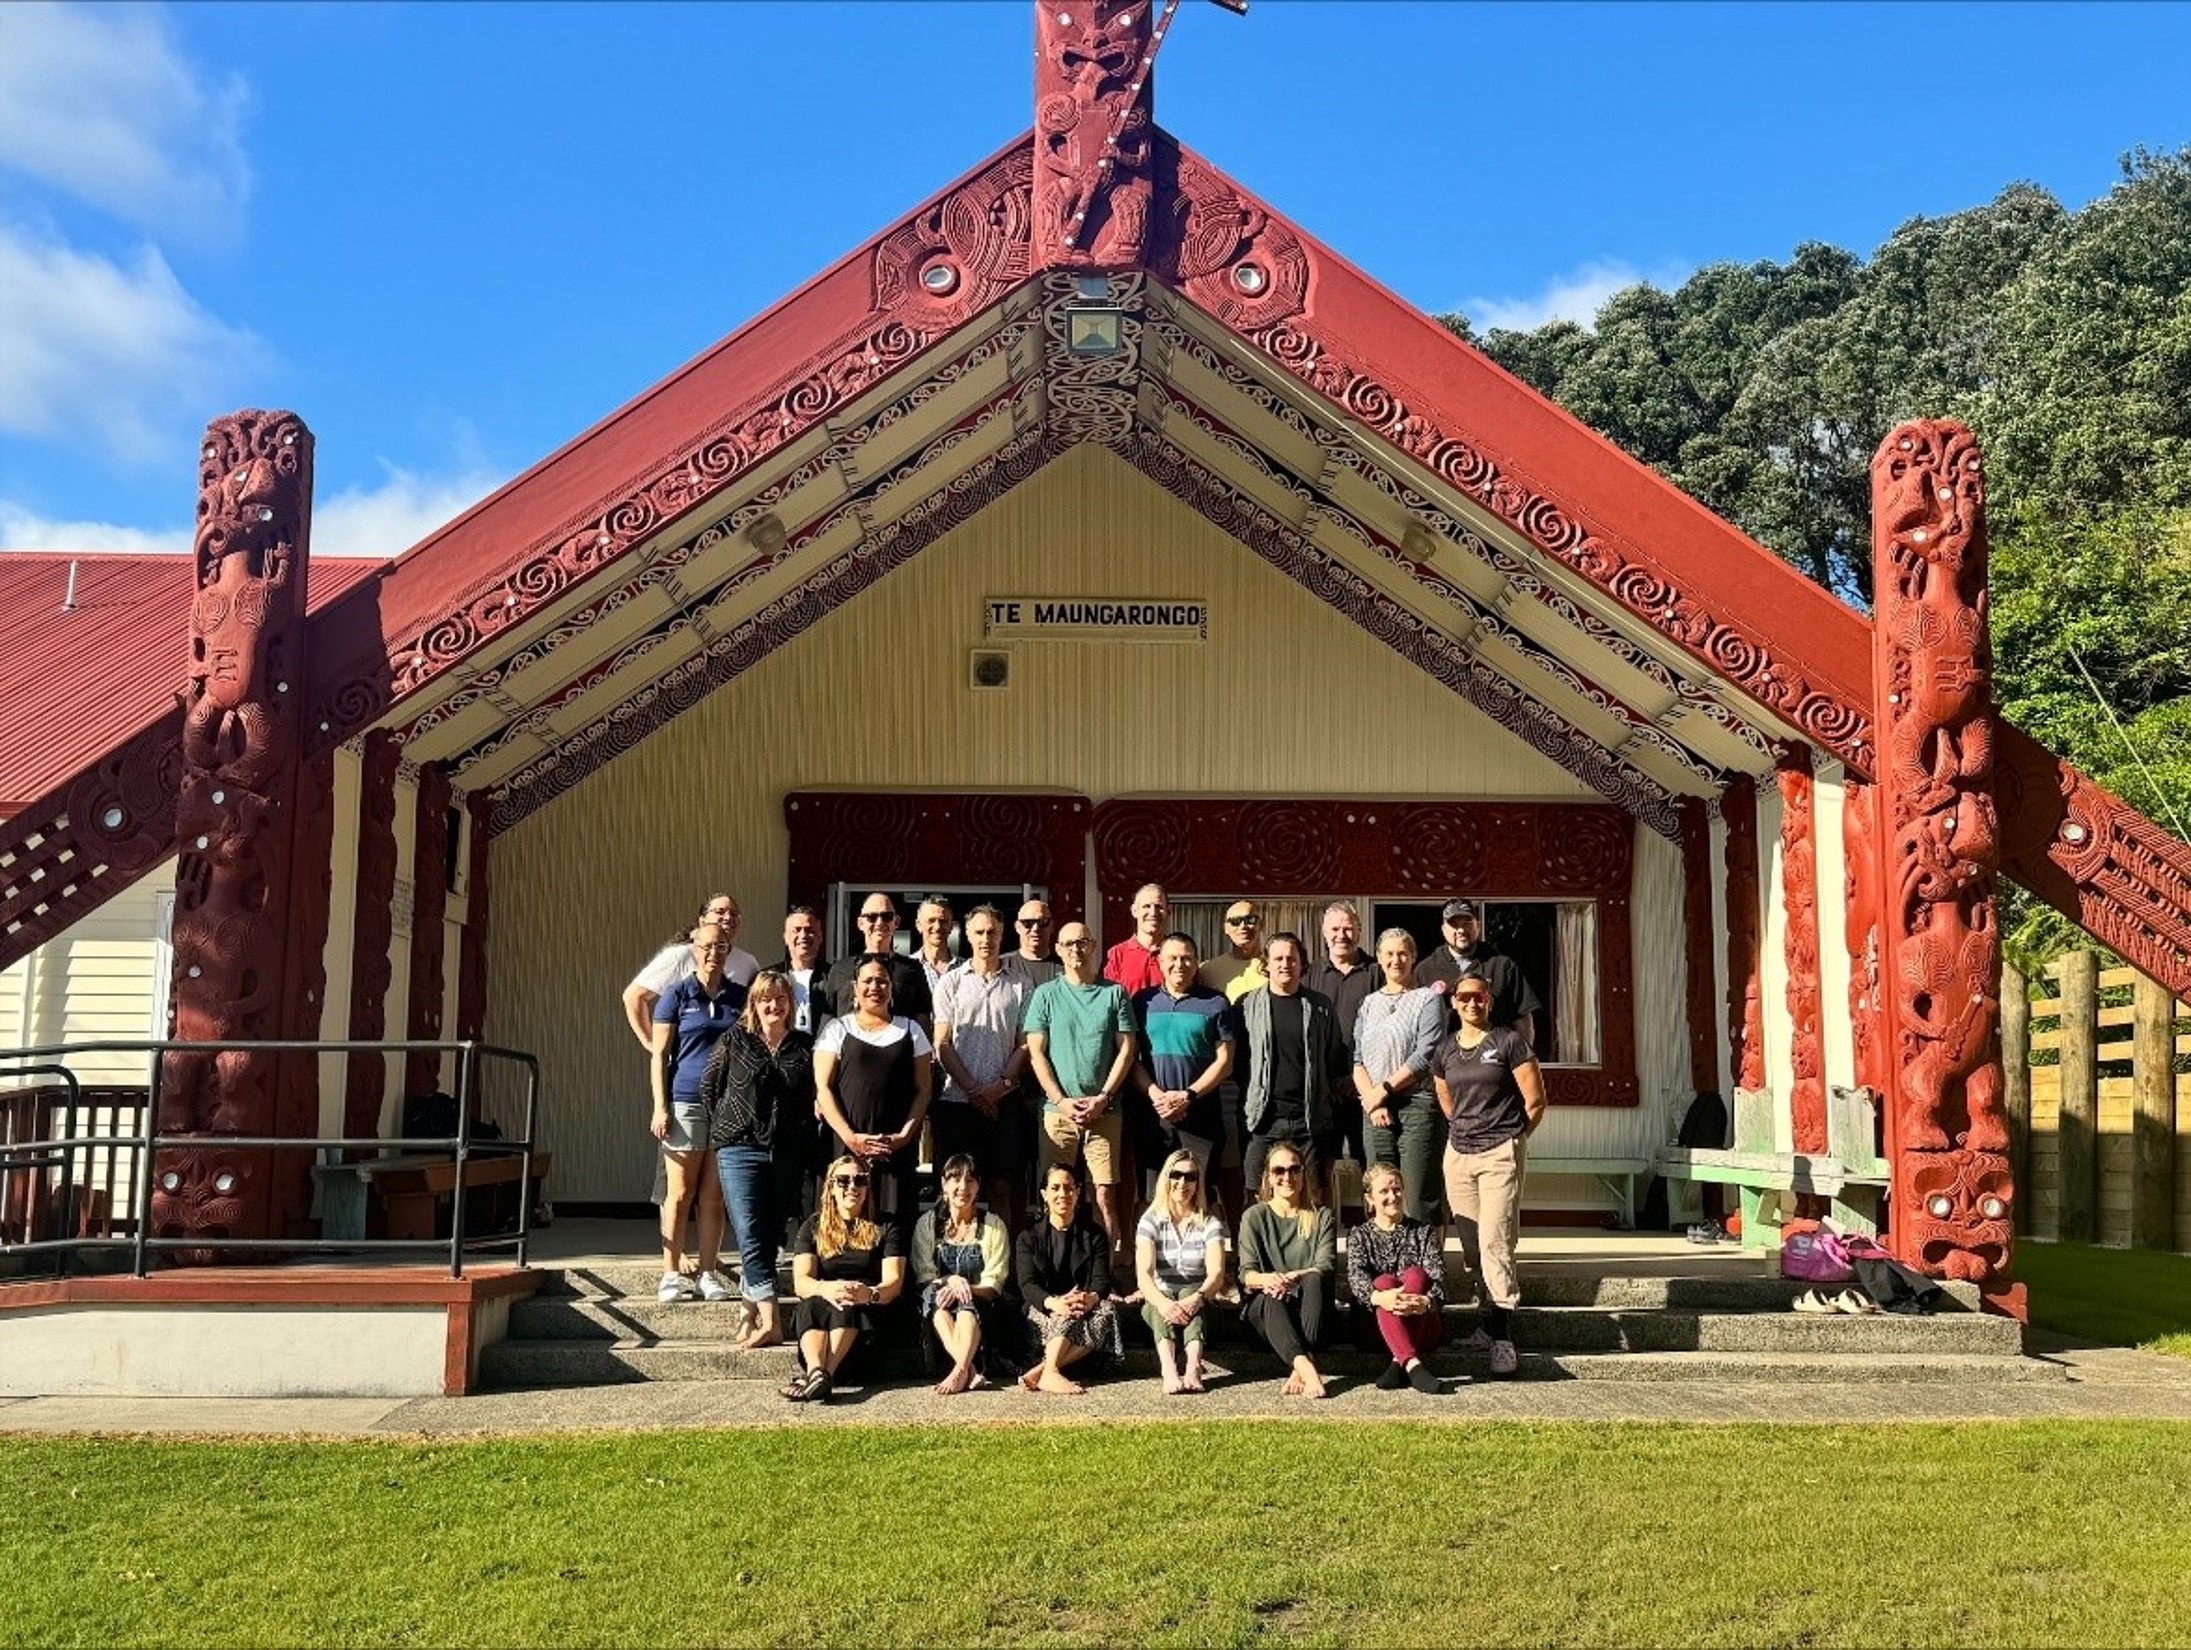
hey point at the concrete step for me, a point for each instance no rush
(518, 1364)
(1741, 1289)
(646, 1321)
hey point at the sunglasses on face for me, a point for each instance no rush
(1285, 1171)
(878, 916)
(1075, 945)
(1471, 997)
(847, 1182)
(1034, 922)
(1183, 1177)
(1243, 922)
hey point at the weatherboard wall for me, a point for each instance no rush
(1285, 698)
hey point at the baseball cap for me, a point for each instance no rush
(1455, 908)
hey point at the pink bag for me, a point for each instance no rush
(1816, 1256)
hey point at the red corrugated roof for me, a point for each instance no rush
(75, 682)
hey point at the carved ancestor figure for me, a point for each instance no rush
(1940, 944)
(235, 817)
(1092, 132)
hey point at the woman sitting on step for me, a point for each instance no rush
(961, 1257)
(1396, 1267)
(1062, 1265)
(1179, 1260)
(1288, 1255)
(846, 1268)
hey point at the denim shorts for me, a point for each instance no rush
(688, 1126)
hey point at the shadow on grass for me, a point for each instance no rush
(2109, 1297)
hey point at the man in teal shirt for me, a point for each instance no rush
(1080, 1041)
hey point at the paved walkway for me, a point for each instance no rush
(2104, 1385)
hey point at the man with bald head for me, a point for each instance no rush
(1080, 1043)
(1132, 963)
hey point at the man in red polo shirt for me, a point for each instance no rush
(1132, 961)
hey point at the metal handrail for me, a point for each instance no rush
(144, 1148)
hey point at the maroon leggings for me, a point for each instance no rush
(1413, 1337)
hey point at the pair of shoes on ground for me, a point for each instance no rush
(1710, 1232)
(1418, 1376)
(709, 1286)
(1819, 1303)
(1504, 1359)
(809, 1386)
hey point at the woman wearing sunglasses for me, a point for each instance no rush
(1062, 1265)
(1179, 1260)
(960, 1257)
(1492, 1095)
(846, 1268)
(1289, 1251)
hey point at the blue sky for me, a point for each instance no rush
(452, 236)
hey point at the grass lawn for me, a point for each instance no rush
(1225, 1533)
(2117, 1297)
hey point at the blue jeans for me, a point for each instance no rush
(748, 1174)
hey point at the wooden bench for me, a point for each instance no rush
(1850, 1174)
(410, 1187)
(1616, 1174)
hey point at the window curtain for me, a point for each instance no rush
(1574, 990)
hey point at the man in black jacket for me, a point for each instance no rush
(878, 925)
(1467, 955)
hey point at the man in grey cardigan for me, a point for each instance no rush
(1294, 1057)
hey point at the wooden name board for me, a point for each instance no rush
(1110, 619)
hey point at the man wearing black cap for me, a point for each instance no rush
(1465, 955)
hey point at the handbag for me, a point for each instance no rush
(1816, 1255)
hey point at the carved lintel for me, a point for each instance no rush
(1940, 956)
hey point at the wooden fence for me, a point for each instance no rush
(2099, 1103)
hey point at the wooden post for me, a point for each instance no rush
(2153, 1117)
(2078, 1133)
(2016, 1076)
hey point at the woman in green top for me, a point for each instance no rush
(1288, 1254)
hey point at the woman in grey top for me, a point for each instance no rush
(1288, 1253)
(1396, 1037)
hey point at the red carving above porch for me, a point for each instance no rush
(1093, 125)
(893, 838)
(1423, 850)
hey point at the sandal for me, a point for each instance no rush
(808, 1383)
(1855, 1303)
(1815, 1303)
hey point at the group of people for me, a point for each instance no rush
(1114, 1077)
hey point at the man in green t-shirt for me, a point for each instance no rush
(1080, 1041)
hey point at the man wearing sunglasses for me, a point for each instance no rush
(1467, 955)
(1240, 969)
(877, 922)
(1033, 925)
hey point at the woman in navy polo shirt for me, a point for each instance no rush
(689, 1018)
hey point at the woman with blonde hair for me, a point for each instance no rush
(1179, 1260)
(759, 1093)
(845, 1268)
(690, 1018)
(1289, 1252)
(1396, 1268)
(961, 1255)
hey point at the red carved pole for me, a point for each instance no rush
(1093, 122)
(1799, 894)
(429, 905)
(1951, 1199)
(1745, 988)
(1860, 929)
(1696, 913)
(240, 942)
(372, 965)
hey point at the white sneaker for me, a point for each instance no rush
(1504, 1359)
(675, 1286)
(713, 1288)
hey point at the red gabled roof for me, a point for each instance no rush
(77, 681)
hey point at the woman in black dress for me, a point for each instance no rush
(873, 1073)
(845, 1268)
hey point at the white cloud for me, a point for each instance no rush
(100, 102)
(1575, 297)
(359, 521)
(106, 354)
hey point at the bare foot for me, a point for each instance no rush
(1173, 1386)
(1033, 1378)
(1293, 1387)
(1059, 1386)
(1313, 1386)
(753, 1340)
(954, 1383)
(978, 1382)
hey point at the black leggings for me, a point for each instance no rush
(1295, 1326)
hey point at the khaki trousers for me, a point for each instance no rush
(1483, 1191)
